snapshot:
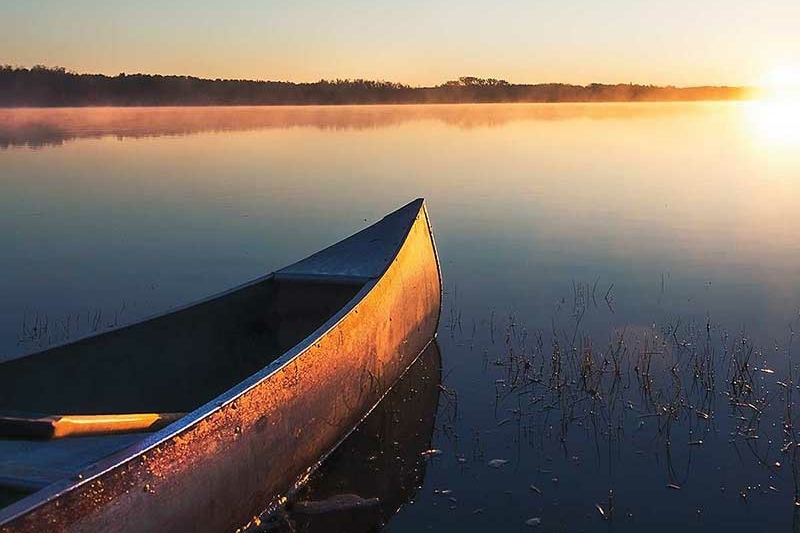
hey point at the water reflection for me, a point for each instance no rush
(669, 227)
(49, 127)
(379, 467)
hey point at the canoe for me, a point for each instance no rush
(271, 376)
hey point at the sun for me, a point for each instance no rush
(774, 118)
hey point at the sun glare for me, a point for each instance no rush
(775, 116)
(782, 83)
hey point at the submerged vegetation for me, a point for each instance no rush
(589, 428)
(50, 87)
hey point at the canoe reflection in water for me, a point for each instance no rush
(379, 467)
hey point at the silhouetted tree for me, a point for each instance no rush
(56, 86)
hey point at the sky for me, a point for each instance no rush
(679, 42)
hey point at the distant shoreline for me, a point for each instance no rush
(365, 105)
(371, 104)
(56, 87)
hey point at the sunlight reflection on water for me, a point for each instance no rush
(776, 122)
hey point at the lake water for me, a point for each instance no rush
(622, 284)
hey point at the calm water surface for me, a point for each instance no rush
(622, 285)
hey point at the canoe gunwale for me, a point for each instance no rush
(424, 210)
(118, 459)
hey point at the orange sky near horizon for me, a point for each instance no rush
(709, 42)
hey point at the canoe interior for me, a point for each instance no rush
(173, 363)
(176, 362)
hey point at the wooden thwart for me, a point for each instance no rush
(58, 426)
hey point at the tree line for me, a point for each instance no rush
(56, 87)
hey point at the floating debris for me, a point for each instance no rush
(695, 443)
(601, 511)
(431, 453)
(497, 463)
(533, 522)
(340, 502)
(766, 370)
(673, 486)
(479, 510)
(536, 489)
(504, 421)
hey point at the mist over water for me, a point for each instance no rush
(622, 281)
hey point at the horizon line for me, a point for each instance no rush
(500, 81)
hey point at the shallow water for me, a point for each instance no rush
(561, 229)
